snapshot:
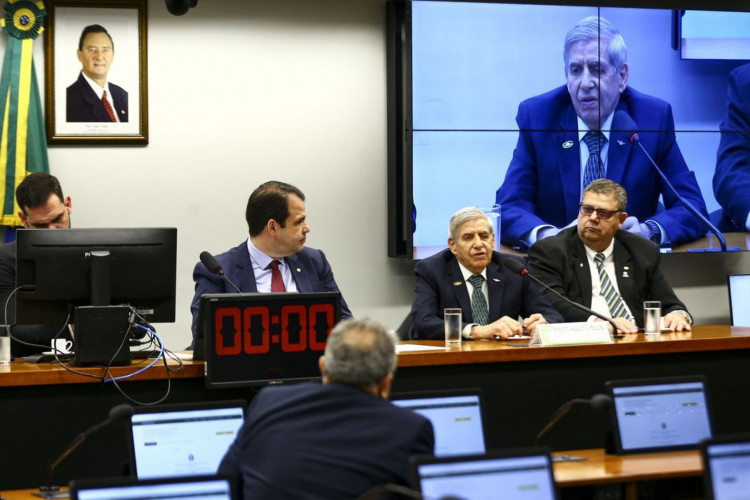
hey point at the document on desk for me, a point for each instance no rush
(417, 348)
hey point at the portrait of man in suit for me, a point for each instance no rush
(582, 131)
(92, 98)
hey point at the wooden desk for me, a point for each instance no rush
(522, 387)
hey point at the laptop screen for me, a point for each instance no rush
(183, 440)
(517, 475)
(739, 299)
(206, 488)
(659, 414)
(726, 467)
(456, 419)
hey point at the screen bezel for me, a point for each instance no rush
(705, 457)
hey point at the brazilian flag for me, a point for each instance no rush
(23, 144)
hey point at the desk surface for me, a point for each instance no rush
(701, 339)
(597, 468)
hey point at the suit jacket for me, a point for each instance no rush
(732, 175)
(324, 441)
(33, 334)
(310, 270)
(440, 284)
(560, 261)
(83, 105)
(543, 182)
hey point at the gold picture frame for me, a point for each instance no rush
(71, 114)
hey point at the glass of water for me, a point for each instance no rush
(4, 345)
(652, 317)
(452, 319)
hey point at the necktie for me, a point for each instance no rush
(593, 169)
(607, 290)
(478, 301)
(108, 108)
(277, 282)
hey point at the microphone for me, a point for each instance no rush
(599, 402)
(636, 139)
(214, 267)
(518, 268)
(117, 413)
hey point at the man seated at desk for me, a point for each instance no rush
(469, 275)
(274, 258)
(581, 261)
(43, 206)
(333, 440)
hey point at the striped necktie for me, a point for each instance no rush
(607, 290)
(594, 168)
(478, 301)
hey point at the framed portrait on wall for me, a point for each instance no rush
(96, 88)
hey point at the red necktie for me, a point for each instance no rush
(277, 282)
(109, 109)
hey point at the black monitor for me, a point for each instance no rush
(95, 267)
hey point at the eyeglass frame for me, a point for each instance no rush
(601, 213)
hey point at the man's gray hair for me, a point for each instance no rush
(465, 215)
(598, 28)
(360, 352)
(607, 187)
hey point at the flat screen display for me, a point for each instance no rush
(466, 66)
(199, 487)
(726, 467)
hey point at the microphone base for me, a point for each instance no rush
(51, 491)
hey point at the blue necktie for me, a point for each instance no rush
(594, 168)
(478, 301)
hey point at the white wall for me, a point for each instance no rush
(240, 92)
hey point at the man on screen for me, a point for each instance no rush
(471, 276)
(338, 439)
(43, 206)
(274, 258)
(92, 98)
(604, 268)
(581, 132)
(732, 176)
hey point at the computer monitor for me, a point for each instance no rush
(726, 467)
(95, 267)
(264, 338)
(738, 286)
(456, 418)
(662, 414)
(185, 439)
(517, 474)
(216, 487)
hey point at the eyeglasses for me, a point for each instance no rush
(601, 213)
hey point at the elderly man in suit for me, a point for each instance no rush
(274, 258)
(606, 269)
(339, 439)
(581, 132)
(469, 275)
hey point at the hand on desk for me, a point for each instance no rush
(676, 321)
(507, 327)
(624, 325)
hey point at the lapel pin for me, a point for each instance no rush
(457, 283)
(626, 267)
(621, 143)
(580, 264)
(496, 280)
(299, 270)
(567, 144)
(625, 274)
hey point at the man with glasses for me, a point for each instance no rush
(602, 267)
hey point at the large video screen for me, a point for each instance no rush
(468, 67)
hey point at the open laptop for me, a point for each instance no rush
(661, 414)
(726, 467)
(524, 474)
(456, 418)
(192, 488)
(739, 299)
(183, 439)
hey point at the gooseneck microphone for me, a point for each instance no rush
(518, 268)
(636, 139)
(214, 267)
(599, 402)
(117, 413)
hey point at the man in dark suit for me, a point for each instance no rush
(92, 98)
(273, 258)
(469, 275)
(582, 262)
(43, 206)
(581, 132)
(732, 176)
(334, 440)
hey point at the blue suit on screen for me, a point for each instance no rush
(543, 182)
